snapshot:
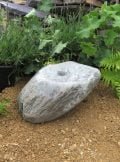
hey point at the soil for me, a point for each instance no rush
(89, 133)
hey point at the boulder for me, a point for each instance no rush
(55, 90)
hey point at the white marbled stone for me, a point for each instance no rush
(55, 90)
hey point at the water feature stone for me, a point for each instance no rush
(55, 90)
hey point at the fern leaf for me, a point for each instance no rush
(111, 62)
(110, 77)
(117, 89)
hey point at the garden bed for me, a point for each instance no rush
(89, 133)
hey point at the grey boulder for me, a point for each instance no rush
(55, 90)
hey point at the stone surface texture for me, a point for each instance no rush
(55, 90)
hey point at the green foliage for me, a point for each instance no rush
(99, 31)
(45, 5)
(99, 37)
(86, 40)
(19, 45)
(112, 61)
(111, 71)
(20, 42)
(3, 105)
(88, 48)
(50, 61)
(59, 39)
(29, 44)
(59, 47)
(2, 20)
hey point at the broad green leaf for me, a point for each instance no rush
(84, 33)
(31, 13)
(116, 22)
(43, 43)
(56, 33)
(110, 76)
(89, 27)
(110, 36)
(88, 48)
(46, 5)
(59, 47)
(111, 61)
(49, 20)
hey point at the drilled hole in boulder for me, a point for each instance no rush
(61, 73)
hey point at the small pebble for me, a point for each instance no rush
(105, 127)
(66, 139)
(66, 129)
(6, 156)
(81, 145)
(74, 131)
(33, 155)
(63, 145)
(77, 121)
(27, 139)
(99, 116)
(90, 140)
(53, 145)
(1, 136)
(106, 118)
(73, 147)
(62, 131)
(11, 159)
(66, 151)
(46, 142)
(118, 143)
(81, 153)
(46, 150)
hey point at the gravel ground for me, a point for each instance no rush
(89, 133)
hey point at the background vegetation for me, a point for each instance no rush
(92, 39)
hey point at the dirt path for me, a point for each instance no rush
(89, 133)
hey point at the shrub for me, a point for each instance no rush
(19, 43)
(100, 38)
(60, 41)
(111, 71)
(99, 32)
(3, 105)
